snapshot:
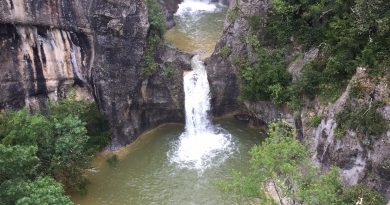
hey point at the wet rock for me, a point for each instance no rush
(170, 7)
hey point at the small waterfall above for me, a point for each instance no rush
(202, 144)
(192, 6)
(199, 25)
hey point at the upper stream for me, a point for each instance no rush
(199, 26)
(172, 164)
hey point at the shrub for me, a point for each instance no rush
(157, 29)
(234, 13)
(43, 190)
(267, 78)
(339, 132)
(357, 91)
(255, 22)
(315, 120)
(353, 194)
(150, 66)
(365, 121)
(156, 17)
(168, 70)
(17, 162)
(348, 38)
(224, 51)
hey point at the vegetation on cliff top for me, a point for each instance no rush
(349, 34)
(39, 152)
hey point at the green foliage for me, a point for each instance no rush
(150, 66)
(43, 191)
(22, 128)
(233, 14)
(168, 70)
(36, 149)
(365, 121)
(354, 194)
(157, 29)
(224, 51)
(156, 17)
(315, 120)
(339, 132)
(284, 161)
(349, 34)
(255, 22)
(70, 156)
(17, 162)
(97, 124)
(319, 190)
(357, 91)
(267, 78)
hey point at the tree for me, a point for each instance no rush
(17, 162)
(22, 128)
(43, 191)
(70, 157)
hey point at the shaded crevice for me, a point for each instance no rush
(40, 77)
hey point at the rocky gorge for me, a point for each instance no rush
(97, 48)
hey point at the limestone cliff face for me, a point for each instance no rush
(95, 47)
(358, 163)
(221, 69)
(45, 49)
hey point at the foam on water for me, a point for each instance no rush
(202, 144)
(193, 6)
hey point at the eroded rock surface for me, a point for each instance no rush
(96, 47)
(222, 69)
(358, 163)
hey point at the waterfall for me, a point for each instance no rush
(202, 142)
(193, 6)
(197, 103)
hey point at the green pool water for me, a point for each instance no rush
(145, 174)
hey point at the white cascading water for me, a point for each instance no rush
(202, 144)
(191, 6)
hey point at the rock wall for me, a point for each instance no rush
(170, 8)
(358, 163)
(42, 54)
(221, 69)
(96, 47)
